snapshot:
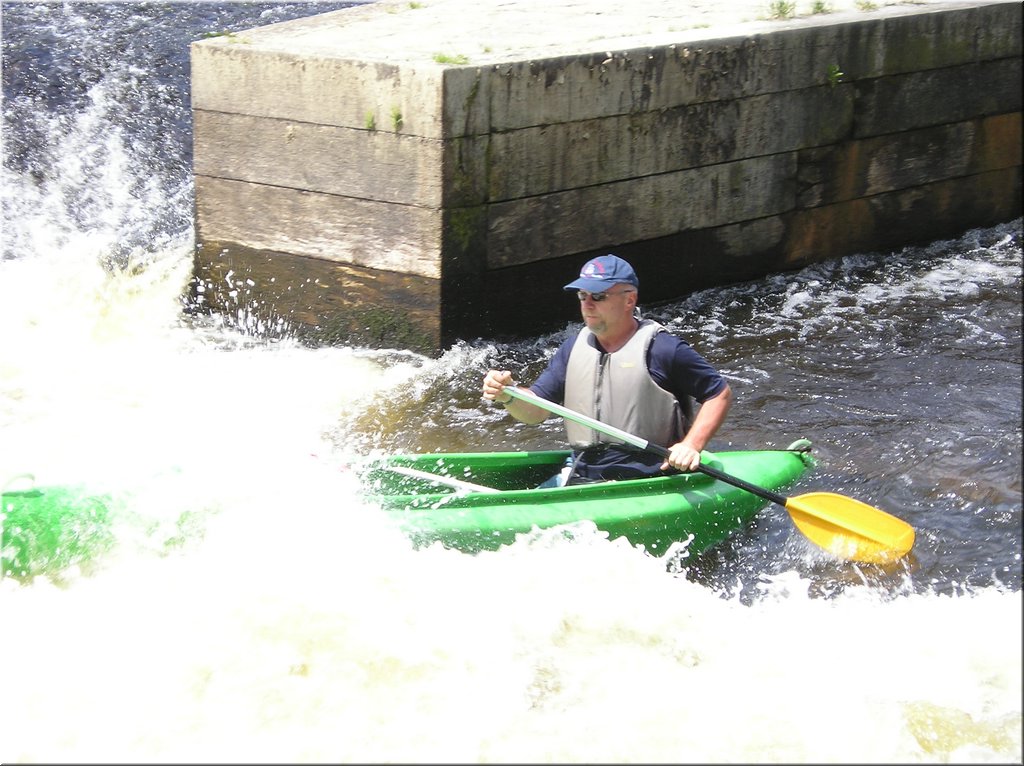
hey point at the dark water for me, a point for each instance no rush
(298, 628)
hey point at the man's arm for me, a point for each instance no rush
(685, 455)
(494, 390)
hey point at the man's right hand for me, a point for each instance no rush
(494, 386)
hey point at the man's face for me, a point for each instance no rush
(606, 310)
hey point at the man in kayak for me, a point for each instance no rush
(627, 372)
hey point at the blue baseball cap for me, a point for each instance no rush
(598, 274)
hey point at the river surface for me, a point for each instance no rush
(256, 609)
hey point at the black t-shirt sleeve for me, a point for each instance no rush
(679, 369)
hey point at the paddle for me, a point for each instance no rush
(462, 486)
(841, 525)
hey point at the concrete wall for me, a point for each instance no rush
(410, 205)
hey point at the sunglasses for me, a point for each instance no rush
(598, 297)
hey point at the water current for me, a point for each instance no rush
(256, 608)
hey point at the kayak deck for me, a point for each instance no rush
(481, 501)
(46, 529)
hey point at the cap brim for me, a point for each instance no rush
(591, 285)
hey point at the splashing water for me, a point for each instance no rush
(253, 607)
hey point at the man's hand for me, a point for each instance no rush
(682, 457)
(494, 386)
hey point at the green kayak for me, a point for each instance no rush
(45, 529)
(481, 501)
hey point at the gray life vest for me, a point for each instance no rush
(617, 389)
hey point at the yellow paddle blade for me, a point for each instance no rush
(849, 528)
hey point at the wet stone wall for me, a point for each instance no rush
(412, 204)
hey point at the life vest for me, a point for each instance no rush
(618, 390)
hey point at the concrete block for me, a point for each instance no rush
(379, 235)
(412, 173)
(361, 164)
(587, 218)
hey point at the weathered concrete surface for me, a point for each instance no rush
(349, 181)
